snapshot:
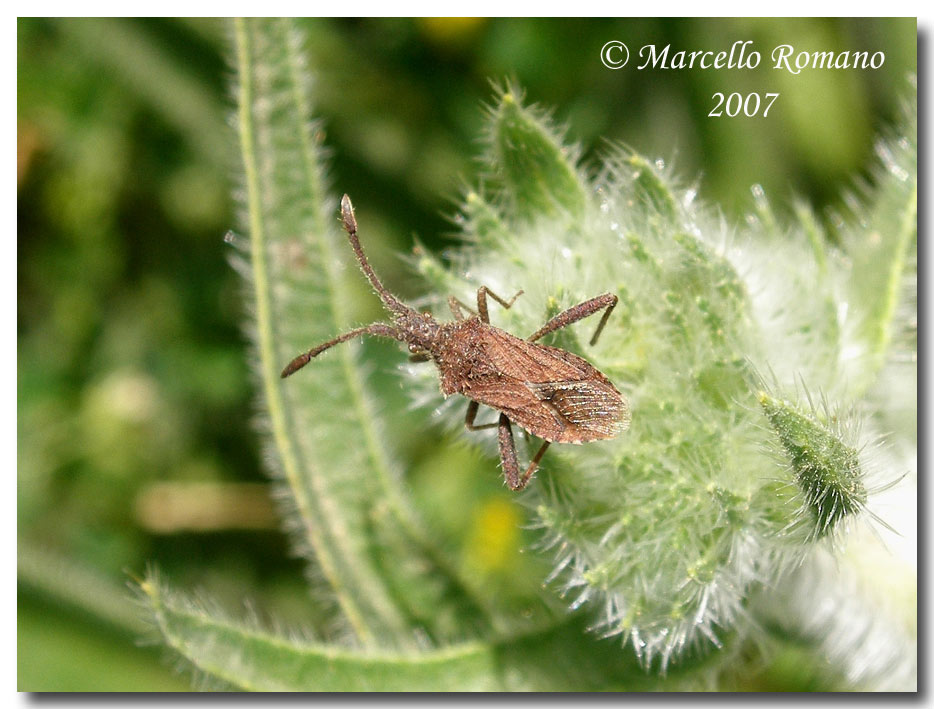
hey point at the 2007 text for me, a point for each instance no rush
(736, 104)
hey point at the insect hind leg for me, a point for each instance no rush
(579, 312)
(472, 415)
(507, 453)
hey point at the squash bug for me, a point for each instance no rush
(553, 394)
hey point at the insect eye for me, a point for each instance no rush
(414, 349)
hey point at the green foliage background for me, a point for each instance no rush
(134, 395)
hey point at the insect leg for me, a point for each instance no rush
(578, 312)
(507, 453)
(456, 308)
(377, 328)
(471, 415)
(533, 466)
(483, 292)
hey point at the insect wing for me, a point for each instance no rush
(529, 361)
(549, 392)
(561, 412)
(520, 403)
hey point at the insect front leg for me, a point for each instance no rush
(579, 312)
(507, 453)
(483, 292)
(455, 306)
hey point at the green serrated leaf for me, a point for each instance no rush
(814, 232)
(537, 173)
(482, 221)
(434, 271)
(650, 188)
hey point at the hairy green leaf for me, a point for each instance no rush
(881, 240)
(668, 530)
(538, 173)
(341, 479)
(245, 657)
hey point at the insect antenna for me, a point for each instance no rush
(350, 224)
(379, 329)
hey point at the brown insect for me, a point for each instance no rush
(549, 392)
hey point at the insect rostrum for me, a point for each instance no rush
(551, 393)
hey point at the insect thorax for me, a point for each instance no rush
(458, 354)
